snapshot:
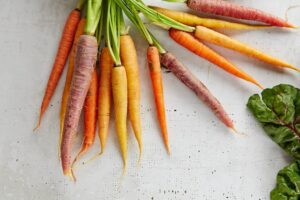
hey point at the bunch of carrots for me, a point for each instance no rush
(103, 70)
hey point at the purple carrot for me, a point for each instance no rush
(225, 8)
(85, 58)
(187, 78)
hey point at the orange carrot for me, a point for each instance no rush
(66, 91)
(90, 116)
(157, 85)
(60, 60)
(188, 41)
(104, 95)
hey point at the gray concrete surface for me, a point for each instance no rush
(207, 161)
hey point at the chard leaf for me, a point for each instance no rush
(288, 183)
(278, 110)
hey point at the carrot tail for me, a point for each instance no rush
(64, 48)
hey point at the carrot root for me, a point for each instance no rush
(187, 78)
(225, 8)
(188, 41)
(64, 48)
(85, 59)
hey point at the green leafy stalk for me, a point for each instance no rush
(99, 33)
(278, 110)
(158, 45)
(93, 16)
(113, 18)
(132, 14)
(160, 18)
(80, 4)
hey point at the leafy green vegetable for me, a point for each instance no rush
(288, 183)
(278, 110)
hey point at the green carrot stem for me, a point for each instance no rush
(113, 31)
(160, 18)
(101, 24)
(92, 16)
(132, 14)
(80, 4)
(158, 45)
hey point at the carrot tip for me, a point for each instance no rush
(294, 68)
(70, 174)
(124, 170)
(93, 158)
(257, 84)
(37, 126)
(168, 149)
(234, 130)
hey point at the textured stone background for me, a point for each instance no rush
(207, 162)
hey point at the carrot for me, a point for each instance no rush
(64, 48)
(114, 26)
(193, 20)
(214, 37)
(119, 91)
(187, 78)
(79, 32)
(129, 60)
(157, 85)
(90, 116)
(188, 41)
(228, 9)
(85, 58)
(104, 96)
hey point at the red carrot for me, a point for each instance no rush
(85, 59)
(90, 116)
(63, 51)
(187, 78)
(226, 8)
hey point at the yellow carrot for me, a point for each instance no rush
(130, 62)
(104, 95)
(119, 90)
(214, 37)
(193, 20)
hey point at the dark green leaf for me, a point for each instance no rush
(288, 183)
(278, 110)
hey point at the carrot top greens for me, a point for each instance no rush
(92, 16)
(114, 24)
(159, 18)
(80, 4)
